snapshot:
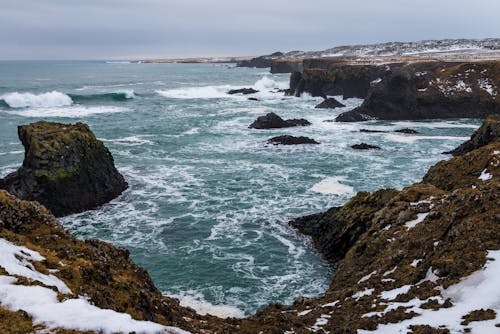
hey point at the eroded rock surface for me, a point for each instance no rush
(273, 121)
(291, 140)
(65, 168)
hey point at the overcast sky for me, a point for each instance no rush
(110, 29)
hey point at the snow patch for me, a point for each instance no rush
(415, 222)
(485, 175)
(367, 277)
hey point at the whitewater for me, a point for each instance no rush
(208, 204)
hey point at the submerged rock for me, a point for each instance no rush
(371, 131)
(330, 103)
(244, 91)
(365, 146)
(65, 168)
(273, 121)
(291, 140)
(487, 133)
(253, 99)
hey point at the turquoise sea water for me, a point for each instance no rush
(207, 208)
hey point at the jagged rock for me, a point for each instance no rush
(432, 90)
(291, 140)
(296, 84)
(487, 133)
(407, 131)
(273, 121)
(364, 146)
(244, 91)
(65, 168)
(330, 103)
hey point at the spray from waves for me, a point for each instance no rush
(56, 99)
(332, 186)
(29, 100)
(266, 86)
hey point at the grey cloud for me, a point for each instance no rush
(140, 28)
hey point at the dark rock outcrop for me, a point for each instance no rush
(432, 90)
(327, 76)
(330, 103)
(65, 168)
(260, 62)
(273, 121)
(244, 91)
(286, 65)
(253, 99)
(365, 146)
(487, 133)
(291, 140)
(372, 131)
(407, 131)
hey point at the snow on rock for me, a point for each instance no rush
(416, 262)
(367, 277)
(43, 306)
(330, 304)
(477, 291)
(486, 85)
(413, 223)
(365, 292)
(391, 294)
(485, 175)
(321, 321)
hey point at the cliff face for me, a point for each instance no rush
(322, 77)
(286, 65)
(428, 90)
(65, 168)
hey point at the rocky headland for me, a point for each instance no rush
(406, 261)
(65, 168)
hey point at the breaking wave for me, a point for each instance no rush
(114, 96)
(29, 100)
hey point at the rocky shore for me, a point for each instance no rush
(406, 260)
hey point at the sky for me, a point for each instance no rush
(139, 29)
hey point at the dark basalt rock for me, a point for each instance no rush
(296, 84)
(407, 131)
(260, 62)
(487, 133)
(273, 121)
(364, 146)
(330, 103)
(291, 140)
(244, 91)
(372, 131)
(65, 168)
(431, 90)
(286, 65)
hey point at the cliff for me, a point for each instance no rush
(65, 168)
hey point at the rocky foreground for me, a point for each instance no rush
(424, 259)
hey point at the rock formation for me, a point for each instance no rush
(486, 134)
(430, 90)
(330, 103)
(273, 121)
(65, 168)
(244, 91)
(407, 131)
(286, 65)
(291, 140)
(365, 146)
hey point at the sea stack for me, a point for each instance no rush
(65, 168)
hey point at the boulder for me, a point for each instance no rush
(330, 103)
(487, 133)
(244, 91)
(65, 168)
(273, 121)
(364, 146)
(291, 140)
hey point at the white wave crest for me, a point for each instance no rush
(71, 112)
(206, 92)
(196, 302)
(267, 83)
(25, 100)
(129, 93)
(332, 185)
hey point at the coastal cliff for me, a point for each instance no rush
(65, 167)
(410, 260)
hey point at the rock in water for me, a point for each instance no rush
(486, 134)
(364, 146)
(244, 91)
(330, 103)
(291, 140)
(65, 168)
(407, 131)
(273, 121)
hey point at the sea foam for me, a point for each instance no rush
(332, 185)
(71, 111)
(26, 100)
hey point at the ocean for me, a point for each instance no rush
(207, 208)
